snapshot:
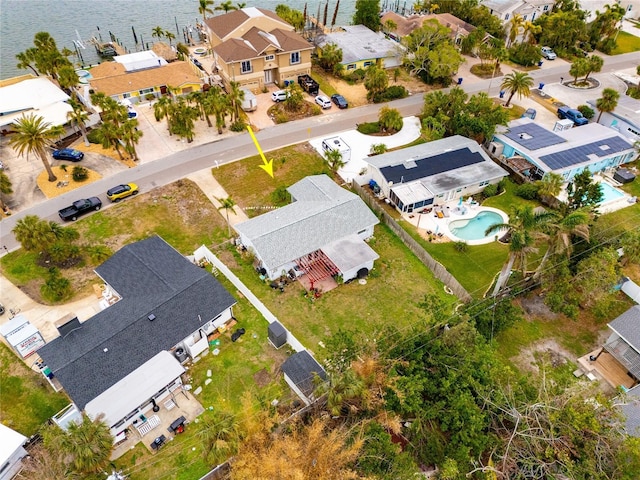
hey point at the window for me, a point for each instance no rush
(295, 57)
(146, 90)
(524, 17)
(506, 17)
(351, 66)
(126, 95)
(545, 8)
(245, 66)
(362, 231)
(368, 63)
(269, 58)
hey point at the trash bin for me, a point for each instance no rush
(541, 86)
(501, 93)
(459, 80)
(540, 63)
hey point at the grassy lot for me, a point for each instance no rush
(27, 399)
(626, 43)
(508, 198)
(194, 221)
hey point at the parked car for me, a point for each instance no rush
(119, 192)
(280, 95)
(530, 113)
(548, 53)
(323, 101)
(69, 154)
(339, 100)
(131, 112)
(572, 114)
(80, 207)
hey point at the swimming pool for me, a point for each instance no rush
(609, 193)
(475, 228)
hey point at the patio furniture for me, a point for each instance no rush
(177, 426)
(151, 423)
(158, 442)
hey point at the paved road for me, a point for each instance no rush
(181, 164)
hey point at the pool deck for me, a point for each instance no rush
(625, 200)
(430, 224)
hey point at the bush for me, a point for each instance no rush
(94, 137)
(56, 288)
(280, 196)
(586, 111)
(79, 174)
(238, 126)
(525, 54)
(528, 191)
(355, 76)
(369, 128)
(392, 93)
(490, 191)
(378, 149)
(461, 247)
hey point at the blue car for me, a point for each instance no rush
(339, 100)
(69, 154)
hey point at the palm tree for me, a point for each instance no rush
(594, 64)
(26, 60)
(514, 27)
(204, 7)
(35, 234)
(162, 109)
(517, 82)
(220, 436)
(523, 227)
(78, 116)
(227, 204)
(235, 96)
(68, 80)
(549, 187)
(334, 160)
(169, 36)
(157, 32)
(183, 117)
(218, 105)
(34, 135)
(530, 30)
(559, 230)
(5, 189)
(226, 6)
(608, 102)
(131, 135)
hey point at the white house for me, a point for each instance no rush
(11, 452)
(325, 227)
(567, 152)
(434, 173)
(624, 119)
(631, 7)
(528, 9)
(123, 360)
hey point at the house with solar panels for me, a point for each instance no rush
(434, 173)
(535, 151)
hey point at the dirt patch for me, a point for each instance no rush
(65, 182)
(280, 114)
(262, 378)
(547, 350)
(534, 307)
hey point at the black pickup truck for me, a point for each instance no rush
(80, 207)
(308, 84)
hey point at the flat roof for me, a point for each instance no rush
(349, 252)
(10, 441)
(358, 42)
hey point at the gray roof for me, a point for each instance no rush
(350, 252)
(300, 368)
(152, 278)
(627, 109)
(322, 213)
(631, 411)
(627, 326)
(581, 146)
(358, 42)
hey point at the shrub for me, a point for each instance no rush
(369, 128)
(391, 93)
(238, 126)
(586, 111)
(98, 253)
(63, 167)
(525, 54)
(356, 75)
(502, 184)
(94, 137)
(56, 288)
(280, 196)
(490, 190)
(79, 174)
(378, 149)
(150, 97)
(528, 191)
(461, 247)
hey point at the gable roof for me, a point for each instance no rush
(300, 368)
(152, 278)
(358, 42)
(114, 80)
(322, 213)
(237, 22)
(256, 42)
(627, 326)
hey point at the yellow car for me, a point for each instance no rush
(119, 192)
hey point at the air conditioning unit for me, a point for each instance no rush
(496, 149)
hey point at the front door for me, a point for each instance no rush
(268, 76)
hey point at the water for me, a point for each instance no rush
(609, 193)
(20, 20)
(474, 228)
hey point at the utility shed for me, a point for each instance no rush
(300, 370)
(11, 452)
(277, 334)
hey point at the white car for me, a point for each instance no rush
(548, 53)
(280, 95)
(323, 101)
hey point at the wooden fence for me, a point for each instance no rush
(436, 267)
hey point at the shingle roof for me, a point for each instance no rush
(627, 326)
(255, 42)
(300, 368)
(114, 80)
(223, 25)
(322, 213)
(631, 411)
(358, 42)
(406, 25)
(152, 278)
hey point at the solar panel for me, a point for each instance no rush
(426, 167)
(577, 155)
(533, 136)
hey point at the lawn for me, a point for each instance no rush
(507, 199)
(27, 399)
(626, 43)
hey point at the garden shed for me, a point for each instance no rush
(277, 334)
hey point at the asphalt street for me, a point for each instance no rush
(179, 165)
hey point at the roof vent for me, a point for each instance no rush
(105, 350)
(151, 317)
(604, 148)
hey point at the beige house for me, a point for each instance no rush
(255, 48)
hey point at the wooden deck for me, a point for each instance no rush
(607, 368)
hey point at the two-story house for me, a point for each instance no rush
(254, 47)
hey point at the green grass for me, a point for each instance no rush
(27, 399)
(508, 199)
(626, 43)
